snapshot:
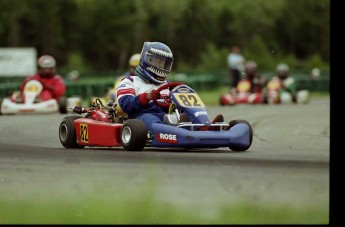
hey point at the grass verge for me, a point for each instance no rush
(145, 210)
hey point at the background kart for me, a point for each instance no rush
(101, 126)
(272, 94)
(276, 93)
(243, 95)
(33, 104)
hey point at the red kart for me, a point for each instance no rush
(243, 94)
(103, 126)
(32, 102)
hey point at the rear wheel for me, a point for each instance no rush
(133, 135)
(67, 134)
(241, 148)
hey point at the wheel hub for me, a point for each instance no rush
(126, 134)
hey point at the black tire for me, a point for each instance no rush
(265, 101)
(67, 134)
(240, 148)
(220, 101)
(133, 135)
(63, 105)
(1, 100)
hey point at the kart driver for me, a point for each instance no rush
(53, 84)
(288, 83)
(256, 80)
(289, 92)
(135, 93)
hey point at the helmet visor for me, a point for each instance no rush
(159, 61)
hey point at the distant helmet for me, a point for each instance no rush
(46, 61)
(134, 60)
(315, 72)
(46, 65)
(282, 70)
(156, 60)
(251, 68)
(134, 63)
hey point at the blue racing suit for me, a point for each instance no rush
(128, 92)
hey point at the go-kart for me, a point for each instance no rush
(276, 92)
(102, 126)
(32, 103)
(243, 94)
(272, 94)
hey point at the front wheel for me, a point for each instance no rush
(67, 134)
(63, 105)
(133, 135)
(241, 148)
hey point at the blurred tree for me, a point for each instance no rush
(304, 26)
(103, 34)
(194, 32)
(13, 11)
(226, 36)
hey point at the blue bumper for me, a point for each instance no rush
(171, 136)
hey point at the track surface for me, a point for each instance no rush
(288, 162)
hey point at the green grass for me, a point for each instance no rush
(144, 209)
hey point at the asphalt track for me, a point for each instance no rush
(288, 162)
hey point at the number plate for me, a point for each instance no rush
(189, 100)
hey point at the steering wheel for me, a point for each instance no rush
(165, 86)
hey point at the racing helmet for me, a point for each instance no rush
(315, 73)
(46, 61)
(250, 69)
(46, 65)
(282, 71)
(156, 60)
(133, 62)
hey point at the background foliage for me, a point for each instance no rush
(101, 35)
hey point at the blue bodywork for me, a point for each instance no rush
(187, 134)
(171, 136)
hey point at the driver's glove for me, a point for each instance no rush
(145, 98)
